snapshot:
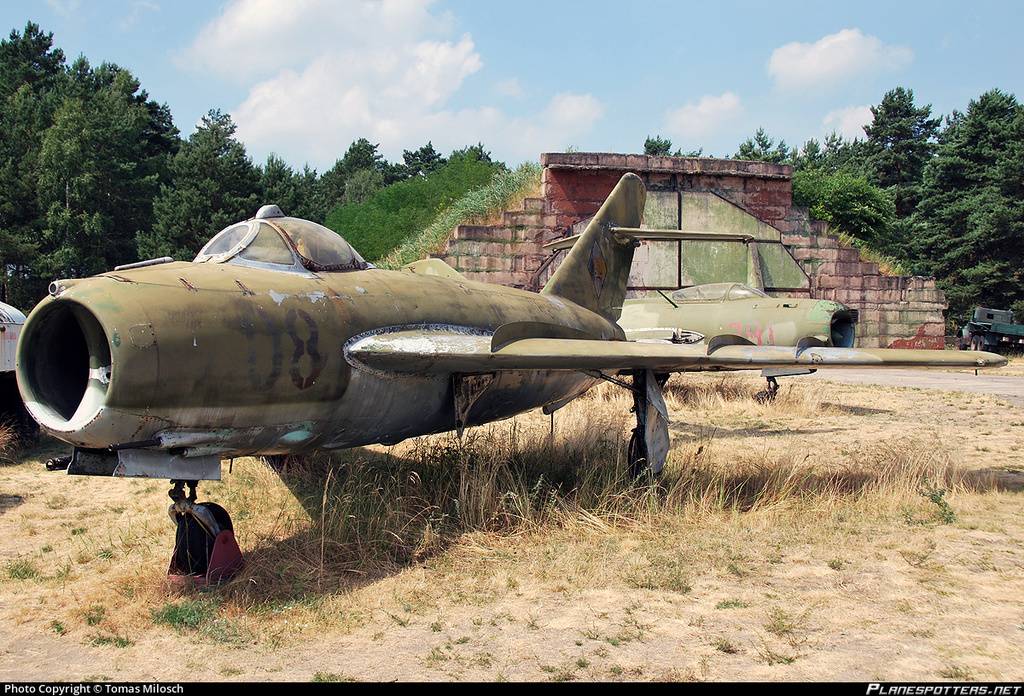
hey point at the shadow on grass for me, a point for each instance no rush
(701, 432)
(372, 514)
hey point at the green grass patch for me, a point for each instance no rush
(395, 213)
(95, 614)
(499, 194)
(114, 640)
(200, 615)
(186, 614)
(732, 604)
(22, 569)
(331, 677)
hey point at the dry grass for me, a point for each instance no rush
(7, 442)
(371, 513)
(512, 553)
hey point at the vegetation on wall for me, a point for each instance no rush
(387, 217)
(499, 194)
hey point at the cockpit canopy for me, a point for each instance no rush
(272, 240)
(717, 292)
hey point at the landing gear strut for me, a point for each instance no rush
(768, 394)
(648, 445)
(205, 550)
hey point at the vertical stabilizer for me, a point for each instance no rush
(595, 271)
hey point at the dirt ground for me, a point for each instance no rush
(920, 585)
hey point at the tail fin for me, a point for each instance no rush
(594, 272)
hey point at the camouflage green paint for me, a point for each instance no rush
(761, 320)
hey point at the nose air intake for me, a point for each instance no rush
(64, 365)
(843, 329)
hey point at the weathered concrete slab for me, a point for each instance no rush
(987, 382)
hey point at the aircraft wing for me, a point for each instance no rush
(425, 351)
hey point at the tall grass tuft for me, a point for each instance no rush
(7, 442)
(370, 513)
(888, 265)
(479, 205)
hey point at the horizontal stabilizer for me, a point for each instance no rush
(637, 233)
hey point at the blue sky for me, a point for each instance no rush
(303, 78)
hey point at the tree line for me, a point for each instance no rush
(94, 173)
(941, 197)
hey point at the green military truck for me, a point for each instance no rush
(992, 330)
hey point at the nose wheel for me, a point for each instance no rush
(205, 550)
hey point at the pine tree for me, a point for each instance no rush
(310, 204)
(31, 81)
(969, 224)
(657, 146)
(278, 185)
(900, 141)
(101, 163)
(213, 183)
(763, 148)
(422, 161)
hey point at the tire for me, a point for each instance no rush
(635, 456)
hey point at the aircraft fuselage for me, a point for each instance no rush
(231, 360)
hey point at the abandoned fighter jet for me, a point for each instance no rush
(279, 338)
(703, 312)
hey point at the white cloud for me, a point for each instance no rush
(320, 74)
(136, 11)
(257, 38)
(699, 119)
(848, 122)
(65, 8)
(834, 57)
(509, 88)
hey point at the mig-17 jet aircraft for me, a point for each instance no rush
(704, 312)
(280, 339)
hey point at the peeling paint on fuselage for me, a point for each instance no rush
(248, 373)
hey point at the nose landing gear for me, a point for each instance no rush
(205, 550)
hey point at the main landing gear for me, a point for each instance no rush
(649, 443)
(205, 550)
(768, 394)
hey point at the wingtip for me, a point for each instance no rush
(984, 359)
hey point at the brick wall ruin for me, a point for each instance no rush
(895, 311)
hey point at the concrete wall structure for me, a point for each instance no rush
(794, 255)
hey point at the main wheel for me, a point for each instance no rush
(636, 454)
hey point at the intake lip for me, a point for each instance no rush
(843, 328)
(64, 365)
